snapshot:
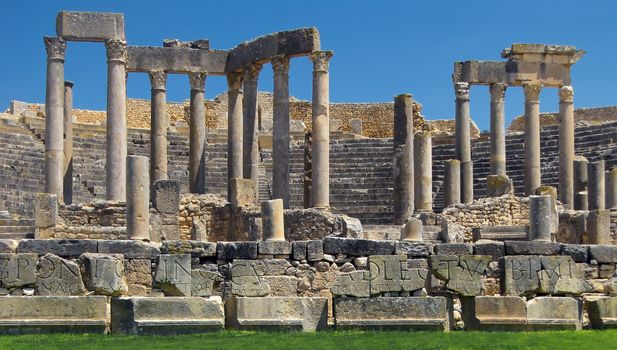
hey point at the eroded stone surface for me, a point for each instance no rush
(463, 274)
(17, 270)
(173, 274)
(355, 284)
(104, 274)
(391, 273)
(204, 283)
(246, 278)
(57, 276)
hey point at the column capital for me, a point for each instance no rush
(497, 91)
(55, 47)
(158, 79)
(251, 72)
(461, 90)
(566, 94)
(532, 91)
(280, 65)
(116, 50)
(321, 60)
(234, 81)
(197, 80)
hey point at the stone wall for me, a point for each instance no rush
(582, 117)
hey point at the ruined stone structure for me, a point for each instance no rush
(188, 229)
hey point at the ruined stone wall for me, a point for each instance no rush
(582, 117)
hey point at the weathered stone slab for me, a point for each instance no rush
(391, 273)
(17, 270)
(602, 312)
(274, 247)
(173, 274)
(578, 252)
(166, 196)
(181, 60)
(204, 283)
(532, 248)
(414, 249)
(57, 276)
(62, 247)
(314, 250)
(288, 43)
(57, 314)
(282, 286)
(554, 313)
(104, 274)
(166, 315)
(236, 250)
(391, 312)
(306, 314)
(603, 253)
(500, 233)
(242, 192)
(495, 249)
(90, 26)
(354, 284)
(131, 249)
(299, 250)
(556, 275)
(275, 267)
(246, 278)
(357, 247)
(45, 211)
(8, 246)
(505, 313)
(453, 249)
(463, 274)
(197, 249)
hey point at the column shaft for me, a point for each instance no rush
(320, 186)
(68, 142)
(116, 121)
(138, 198)
(611, 189)
(159, 122)
(566, 146)
(403, 170)
(463, 140)
(197, 151)
(234, 128)
(423, 171)
(54, 116)
(498, 135)
(250, 135)
(452, 182)
(280, 131)
(533, 175)
(596, 185)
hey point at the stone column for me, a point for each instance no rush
(280, 130)
(596, 185)
(197, 151)
(463, 140)
(599, 227)
(412, 230)
(403, 170)
(138, 198)
(250, 134)
(158, 126)
(611, 189)
(533, 176)
(498, 135)
(566, 145)
(580, 180)
(68, 142)
(423, 171)
(272, 220)
(320, 187)
(54, 116)
(115, 165)
(234, 128)
(540, 218)
(452, 182)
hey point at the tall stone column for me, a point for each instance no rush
(611, 189)
(197, 151)
(54, 116)
(273, 220)
(566, 145)
(463, 140)
(138, 198)
(423, 171)
(115, 165)
(498, 135)
(68, 142)
(403, 170)
(234, 128)
(280, 131)
(452, 182)
(158, 126)
(533, 175)
(320, 186)
(250, 135)
(596, 185)
(540, 218)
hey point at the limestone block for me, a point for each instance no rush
(274, 248)
(166, 315)
(199, 229)
(603, 253)
(315, 250)
(453, 248)
(599, 227)
(247, 278)
(47, 314)
(275, 267)
(57, 276)
(487, 247)
(282, 286)
(554, 313)
(532, 248)
(8, 245)
(506, 313)
(557, 275)
(299, 250)
(62, 247)
(578, 252)
(391, 273)
(166, 196)
(204, 283)
(352, 227)
(357, 247)
(183, 60)
(304, 313)
(104, 274)
(463, 274)
(45, 210)
(354, 284)
(390, 312)
(17, 270)
(90, 26)
(498, 185)
(602, 312)
(197, 249)
(236, 250)
(242, 192)
(138, 273)
(173, 274)
(500, 233)
(131, 249)
(414, 249)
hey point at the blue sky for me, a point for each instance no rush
(381, 48)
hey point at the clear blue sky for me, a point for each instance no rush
(381, 48)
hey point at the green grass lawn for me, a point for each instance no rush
(582, 340)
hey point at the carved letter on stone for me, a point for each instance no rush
(463, 274)
(246, 278)
(57, 276)
(17, 270)
(173, 274)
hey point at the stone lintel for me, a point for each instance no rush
(297, 42)
(179, 59)
(513, 73)
(562, 54)
(90, 26)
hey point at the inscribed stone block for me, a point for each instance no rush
(391, 273)
(17, 270)
(355, 284)
(204, 283)
(463, 274)
(173, 274)
(57, 276)
(104, 274)
(246, 278)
